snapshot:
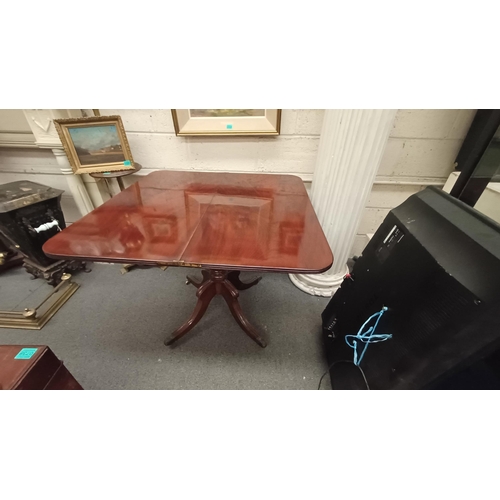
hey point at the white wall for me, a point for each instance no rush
(421, 151)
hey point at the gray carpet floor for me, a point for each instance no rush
(110, 333)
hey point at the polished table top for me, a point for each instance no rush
(198, 219)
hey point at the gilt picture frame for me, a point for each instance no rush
(235, 122)
(95, 144)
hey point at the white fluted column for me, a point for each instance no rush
(351, 146)
(41, 122)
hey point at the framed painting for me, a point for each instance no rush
(95, 144)
(226, 121)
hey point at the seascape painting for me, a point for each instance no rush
(97, 144)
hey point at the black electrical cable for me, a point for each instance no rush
(344, 361)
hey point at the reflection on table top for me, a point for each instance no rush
(240, 221)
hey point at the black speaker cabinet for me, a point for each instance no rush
(435, 263)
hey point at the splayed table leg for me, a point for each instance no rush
(218, 282)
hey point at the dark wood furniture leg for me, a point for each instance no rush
(230, 294)
(206, 292)
(218, 282)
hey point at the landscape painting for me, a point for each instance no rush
(97, 144)
(230, 122)
(215, 113)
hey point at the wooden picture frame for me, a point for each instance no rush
(95, 144)
(216, 122)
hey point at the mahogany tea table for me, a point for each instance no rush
(219, 222)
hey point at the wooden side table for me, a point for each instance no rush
(116, 175)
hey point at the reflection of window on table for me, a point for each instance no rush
(161, 229)
(234, 224)
(291, 233)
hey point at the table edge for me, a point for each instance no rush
(194, 265)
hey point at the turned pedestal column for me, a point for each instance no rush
(75, 183)
(41, 122)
